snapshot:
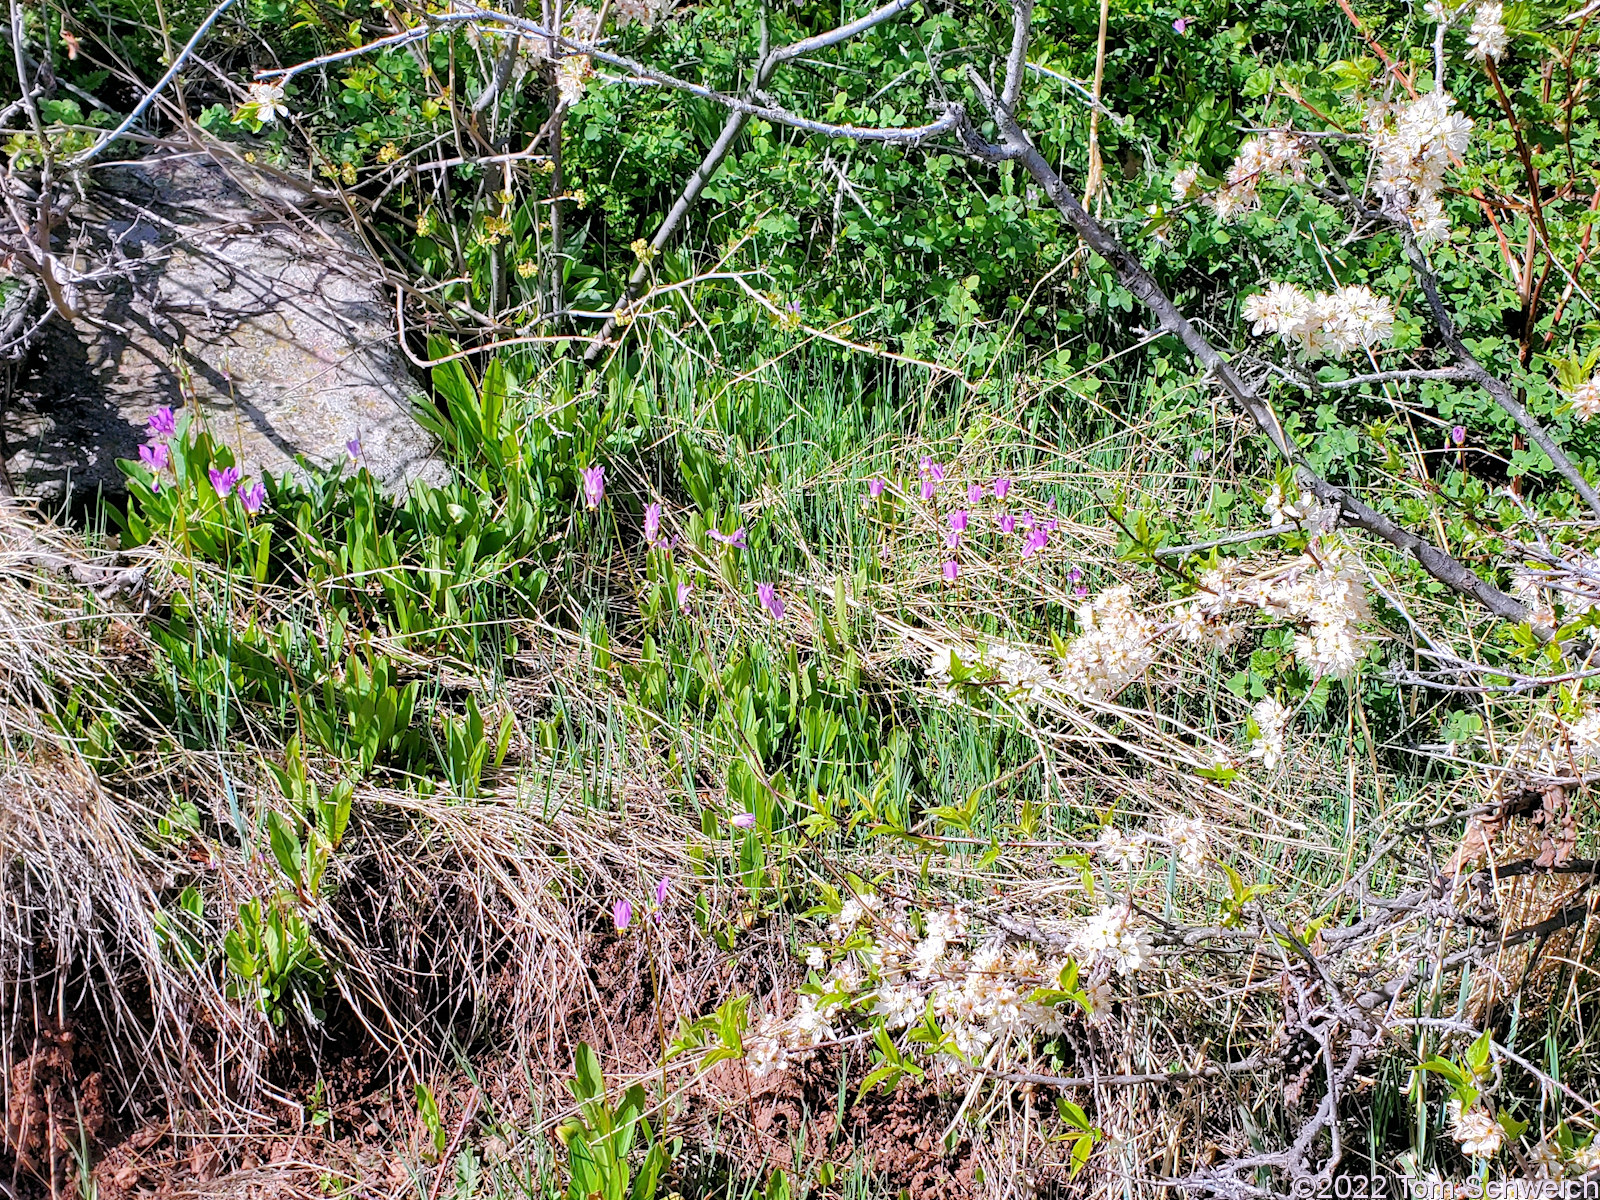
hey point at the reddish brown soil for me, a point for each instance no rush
(375, 1140)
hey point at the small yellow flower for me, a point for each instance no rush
(643, 250)
(388, 153)
(494, 228)
(347, 173)
(527, 268)
(425, 223)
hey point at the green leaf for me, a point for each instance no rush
(285, 847)
(588, 1083)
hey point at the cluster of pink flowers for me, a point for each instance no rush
(156, 455)
(1036, 532)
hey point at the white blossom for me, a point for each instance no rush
(1185, 184)
(898, 1006)
(1114, 649)
(1116, 849)
(1412, 146)
(1279, 155)
(572, 74)
(764, 1055)
(1546, 1161)
(1487, 37)
(1283, 309)
(1022, 674)
(1189, 839)
(1477, 1132)
(1271, 719)
(267, 100)
(1585, 398)
(1111, 932)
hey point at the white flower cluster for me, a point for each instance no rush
(891, 973)
(1280, 155)
(1271, 719)
(1022, 674)
(1412, 145)
(1189, 840)
(1330, 602)
(1187, 837)
(1186, 184)
(573, 72)
(1115, 647)
(1476, 1131)
(1487, 37)
(1333, 323)
(1585, 398)
(1113, 933)
(1117, 850)
(1306, 510)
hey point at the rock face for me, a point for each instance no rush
(268, 325)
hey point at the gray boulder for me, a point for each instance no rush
(224, 301)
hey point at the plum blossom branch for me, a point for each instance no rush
(1014, 144)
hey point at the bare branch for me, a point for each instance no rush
(148, 98)
(1443, 373)
(1017, 63)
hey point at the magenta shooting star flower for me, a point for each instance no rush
(1007, 522)
(951, 570)
(1026, 520)
(974, 493)
(734, 539)
(594, 485)
(162, 423)
(952, 539)
(253, 497)
(1075, 575)
(683, 597)
(663, 888)
(744, 821)
(652, 523)
(770, 600)
(155, 456)
(958, 520)
(1036, 542)
(936, 472)
(1001, 487)
(1181, 25)
(876, 487)
(622, 915)
(1458, 434)
(928, 487)
(223, 482)
(353, 449)
(925, 463)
